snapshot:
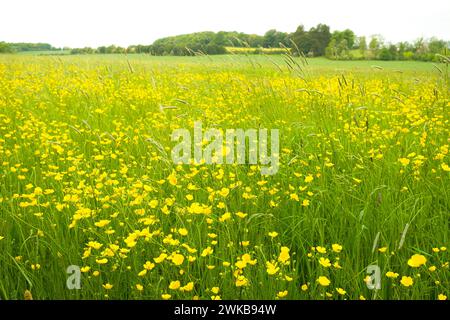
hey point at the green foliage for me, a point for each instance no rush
(347, 36)
(362, 45)
(85, 50)
(314, 41)
(236, 50)
(340, 45)
(25, 47)
(5, 48)
(22, 46)
(385, 54)
(209, 43)
(139, 49)
(273, 39)
(318, 41)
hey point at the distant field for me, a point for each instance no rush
(240, 60)
(45, 53)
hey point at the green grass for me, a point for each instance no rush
(315, 64)
(45, 52)
(84, 140)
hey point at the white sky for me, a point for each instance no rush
(79, 23)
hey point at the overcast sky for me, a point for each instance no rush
(79, 23)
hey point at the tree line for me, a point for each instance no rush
(6, 47)
(315, 42)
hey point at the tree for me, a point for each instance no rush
(5, 48)
(393, 50)
(362, 46)
(374, 46)
(347, 35)
(220, 39)
(350, 37)
(389, 52)
(270, 39)
(319, 37)
(331, 50)
(343, 49)
(314, 41)
(85, 50)
(300, 38)
(273, 38)
(402, 47)
(437, 46)
(24, 46)
(340, 44)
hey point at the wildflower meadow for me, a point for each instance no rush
(93, 206)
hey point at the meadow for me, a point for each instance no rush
(86, 179)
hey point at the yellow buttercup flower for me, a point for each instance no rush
(273, 234)
(139, 287)
(323, 281)
(188, 287)
(224, 192)
(284, 255)
(207, 251)
(101, 261)
(417, 260)
(391, 274)
(325, 262)
(215, 290)
(149, 265)
(272, 268)
(172, 179)
(241, 214)
(282, 294)
(102, 223)
(160, 258)
(241, 281)
(320, 249)
(341, 291)
(407, 281)
(177, 259)
(174, 285)
(336, 247)
(404, 161)
(85, 269)
(107, 286)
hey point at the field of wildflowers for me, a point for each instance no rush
(87, 180)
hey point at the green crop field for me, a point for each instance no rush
(245, 61)
(87, 182)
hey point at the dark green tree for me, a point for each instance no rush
(5, 48)
(362, 46)
(319, 38)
